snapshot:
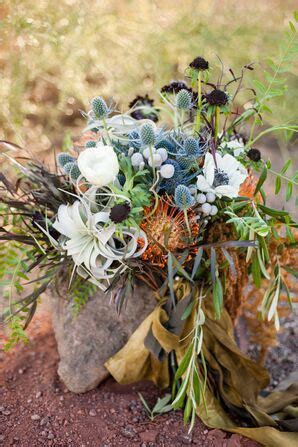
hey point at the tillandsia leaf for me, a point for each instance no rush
(230, 261)
(213, 265)
(161, 404)
(197, 262)
(171, 278)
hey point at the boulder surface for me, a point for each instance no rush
(87, 340)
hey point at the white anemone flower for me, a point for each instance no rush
(99, 165)
(235, 146)
(223, 178)
(93, 243)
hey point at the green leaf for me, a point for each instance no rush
(286, 167)
(289, 191)
(277, 184)
(161, 403)
(217, 298)
(184, 363)
(261, 180)
(256, 271)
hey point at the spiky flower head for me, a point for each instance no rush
(192, 148)
(68, 167)
(74, 172)
(199, 63)
(183, 197)
(184, 161)
(183, 100)
(99, 107)
(134, 139)
(254, 154)
(166, 231)
(147, 133)
(63, 158)
(217, 98)
(167, 145)
(90, 143)
(119, 212)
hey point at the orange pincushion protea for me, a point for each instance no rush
(166, 231)
(248, 187)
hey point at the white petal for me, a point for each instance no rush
(228, 163)
(202, 184)
(226, 190)
(209, 167)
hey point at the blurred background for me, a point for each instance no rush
(55, 56)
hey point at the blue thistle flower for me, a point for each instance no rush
(99, 107)
(134, 139)
(167, 145)
(183, 100)
(90, 143)
(64, 158)
(74, 172)
(68, 167)
(183, 197)
(192, 147)
(147, 134)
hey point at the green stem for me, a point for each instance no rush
(216, 127)
(187, 222)
(198, 115)
(271, 129)
(153, 167)
(107, 132)
(282, 176)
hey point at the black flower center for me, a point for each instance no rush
(217, 97)
(220, 178)
(199, 63)
(254, 154)
(119, 212)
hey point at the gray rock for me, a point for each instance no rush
(87, 341)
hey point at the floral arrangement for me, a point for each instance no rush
(174, 196)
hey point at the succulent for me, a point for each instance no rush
(63, 158)
(147, 134)
(183, 197)
(183, 100)
(99, 107)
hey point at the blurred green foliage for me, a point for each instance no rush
(55, 56)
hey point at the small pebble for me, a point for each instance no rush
(38, 394)
(92, 413)
(35, 417)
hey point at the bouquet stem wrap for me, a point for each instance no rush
(239, 380)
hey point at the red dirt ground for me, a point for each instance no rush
(37, 410)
